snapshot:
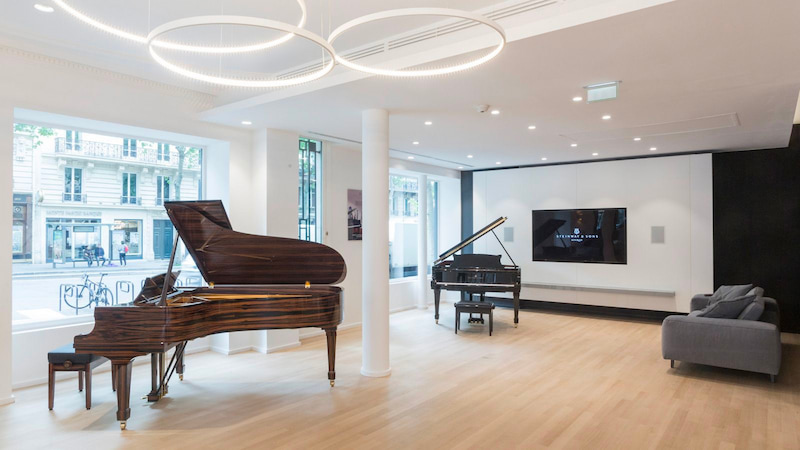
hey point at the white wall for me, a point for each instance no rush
(674, 192)
(39, 83)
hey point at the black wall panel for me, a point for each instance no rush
(757, 225)
(466, 208)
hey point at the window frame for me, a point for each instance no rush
(307, 178)
(125, 199)
(72, 196)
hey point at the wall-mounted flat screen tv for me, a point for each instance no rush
(581, 235)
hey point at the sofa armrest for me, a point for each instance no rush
(699, 301)
(737, 344)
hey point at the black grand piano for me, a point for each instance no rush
(474, 273)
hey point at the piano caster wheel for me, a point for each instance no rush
(437, 321)
(516, 325)
(332, 382)
(180, 375)
(123, 425)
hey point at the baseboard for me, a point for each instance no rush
(319, 332)
(595, 310)
(7, 401)
(281, 347)
(378, 374)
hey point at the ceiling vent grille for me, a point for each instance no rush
(429, 33)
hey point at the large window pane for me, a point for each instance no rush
(309, 200)
(403, 226)
(75, 213)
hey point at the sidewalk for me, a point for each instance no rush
(134, 265)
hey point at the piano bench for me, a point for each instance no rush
(475, 308)
(64, 359)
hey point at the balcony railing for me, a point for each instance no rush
(74, 198)
(118, 152)
(128, 200)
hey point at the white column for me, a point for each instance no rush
(6, 206)
(422, 244)
(375, 243)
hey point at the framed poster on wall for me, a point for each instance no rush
(354, 214)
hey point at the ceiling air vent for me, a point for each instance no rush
(602, 91)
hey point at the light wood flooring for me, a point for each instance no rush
(557, 381)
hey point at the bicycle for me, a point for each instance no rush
(98, 292)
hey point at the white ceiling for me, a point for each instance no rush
(696, 75)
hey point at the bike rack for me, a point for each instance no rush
(67, 292)
(125, 287)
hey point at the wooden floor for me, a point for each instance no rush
(557, 381)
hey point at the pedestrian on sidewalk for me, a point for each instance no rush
(123, 253)
(100, 255)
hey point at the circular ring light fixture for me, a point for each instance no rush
(181, 47)
(394, 13)
(242, 21)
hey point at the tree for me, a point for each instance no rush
(36, 132)
(188, 157)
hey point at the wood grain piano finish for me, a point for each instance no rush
(255, 283)
(475, 273)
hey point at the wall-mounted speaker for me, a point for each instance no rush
(508, 234)
(657, 235)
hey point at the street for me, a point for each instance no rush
(35, 288)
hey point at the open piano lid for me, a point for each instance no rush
(472, 239)
(226, 257)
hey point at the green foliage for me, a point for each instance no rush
(36, 132)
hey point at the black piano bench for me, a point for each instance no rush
(475, 308)
(64, 359)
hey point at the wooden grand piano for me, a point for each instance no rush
(475, 273)
(254, 283)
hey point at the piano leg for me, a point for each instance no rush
(179, 363)
(437, 293)
(516, 308)
(330, 334)
(155, 381)
(122, 371)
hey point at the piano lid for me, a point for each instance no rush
(226, 257)
(470, 239)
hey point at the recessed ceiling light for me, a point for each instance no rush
(410, 157)
(495, 112)
(246, 122)
(460, 167)
(415, 142)
(606, 117)
(637, 139)
(652, 149)
(573, 145)
(544, 159)
(469, 156)
(498, 163)
(43, 8)
(577, 99)
(428, 122)
(595, 154)
(531, 127)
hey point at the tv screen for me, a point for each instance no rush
(581, 235)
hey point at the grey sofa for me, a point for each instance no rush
(752, 345)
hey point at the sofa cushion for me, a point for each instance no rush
(725, 292)
(727, 308)
(757, 291)
(754, 310)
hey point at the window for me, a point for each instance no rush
(309, 199)
(72, 201)
(73, 184)
(403, 226)
(162, 190)
(163, 152)
(433, 222)
(129, 189)
(73, 140)
(129, 148)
